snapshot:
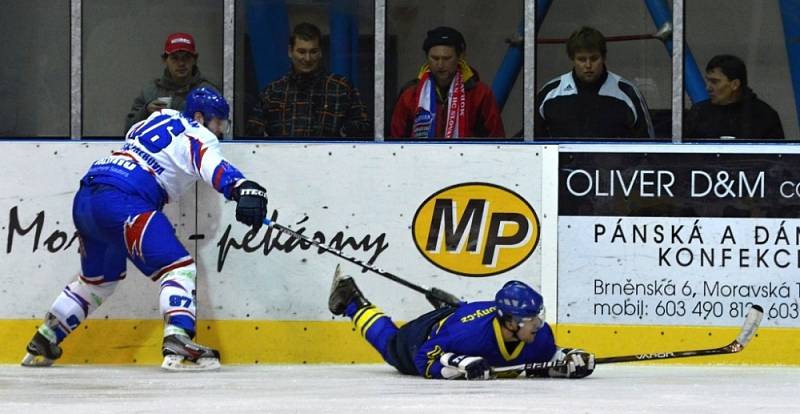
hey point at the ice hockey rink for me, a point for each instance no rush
(619, 388)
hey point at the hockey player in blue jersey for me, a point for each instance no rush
(464, 341)
(117, 212)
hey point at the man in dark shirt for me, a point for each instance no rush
(590, 101)
(733, 111)
(308, 101)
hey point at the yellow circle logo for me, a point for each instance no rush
(476, 229)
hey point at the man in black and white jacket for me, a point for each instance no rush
(589, 101)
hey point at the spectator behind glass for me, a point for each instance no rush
(308, 101)
(733, 111)
(428, 105)
(180, 76)
(590, 101)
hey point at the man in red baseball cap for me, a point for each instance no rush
(181, 75)
(179, 42)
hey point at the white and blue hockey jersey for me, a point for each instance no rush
(163, 155)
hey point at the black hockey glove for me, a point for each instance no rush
(251, 204)
(472, 367)
(577, 364)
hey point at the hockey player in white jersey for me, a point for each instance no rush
(117, 212)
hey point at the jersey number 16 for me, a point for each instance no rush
(158, 133)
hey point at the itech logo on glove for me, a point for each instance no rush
(475, 229)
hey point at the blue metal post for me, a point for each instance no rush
(542, 7)
(268, 26)
(695, 85)
(790, 12)
(354, 52)
(512, 62)
(340, 38)
(508, 71)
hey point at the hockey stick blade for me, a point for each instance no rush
(436, 297)
(754, 316)
(749, 328)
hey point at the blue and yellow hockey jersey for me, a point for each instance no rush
(473, 330)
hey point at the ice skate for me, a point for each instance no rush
(41, 352)
(344, 291)
(181, 354)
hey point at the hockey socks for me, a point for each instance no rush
(351, 309)
(177, 301)
(375, 327)
(75, 303)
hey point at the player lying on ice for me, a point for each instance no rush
(117, 212)
(465, 341)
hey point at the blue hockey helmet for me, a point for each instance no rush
(517, 301)
(208, 102)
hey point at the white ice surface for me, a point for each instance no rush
(379, 389)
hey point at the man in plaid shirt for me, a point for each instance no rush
(307, 101)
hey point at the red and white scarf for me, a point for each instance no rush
(425, 116)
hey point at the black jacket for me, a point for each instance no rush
(611, 107)
(750, 118)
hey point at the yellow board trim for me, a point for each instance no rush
(109, 341)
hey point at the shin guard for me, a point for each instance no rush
(177, 300)
(75, 303)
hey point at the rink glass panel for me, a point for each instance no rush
(754, 32)
(35, 74)
(645, 63)
(122, 44)
(261, 41)
(485, 25)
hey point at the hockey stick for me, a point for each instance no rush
(436, 297)
(751, 323)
